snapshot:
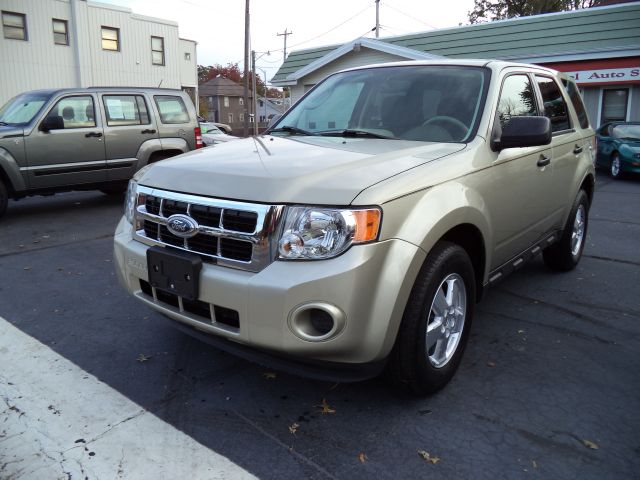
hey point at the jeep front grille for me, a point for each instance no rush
(234, 234)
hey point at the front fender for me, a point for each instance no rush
(11, 169)
(423, 218)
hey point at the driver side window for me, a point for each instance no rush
(75, 112)
(517, 99)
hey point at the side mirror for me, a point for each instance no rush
(522, 132)
(52, 122)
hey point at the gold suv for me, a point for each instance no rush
(359, 232)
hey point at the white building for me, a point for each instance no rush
(80, 43)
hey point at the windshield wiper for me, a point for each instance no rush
(4, 123)
(292, 130)
(355, 133)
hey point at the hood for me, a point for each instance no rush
(10, 131)
(309, 170)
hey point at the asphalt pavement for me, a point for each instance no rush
(549, 386)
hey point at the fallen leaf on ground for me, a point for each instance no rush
(535, 464)
(269, 375)
(143, 358)
(293, 428)
(590, 444)
(362, 457)
(428, 457)
(491, 364)
(325, 408)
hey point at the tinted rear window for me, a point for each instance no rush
(554, 105)
(576, 100)
(172, 109)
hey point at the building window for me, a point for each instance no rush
(241, 117)
(111, 39)
(187, 55)
(614, 105)
(14, 25)
(241, 101)
(60, 32)
(230, 117)
(157, 50)
(226, 102)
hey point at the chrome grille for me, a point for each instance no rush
(233, 234)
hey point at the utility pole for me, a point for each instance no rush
(246, 69)
(255, 95)
(377, 18)
(285, 34)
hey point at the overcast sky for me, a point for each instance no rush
(218, 25)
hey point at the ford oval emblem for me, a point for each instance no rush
(182, 226)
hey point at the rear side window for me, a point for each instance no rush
(125, 110)
(76, 112)
(576, 100)
(554, 105)
(517, 99)
(172, 109)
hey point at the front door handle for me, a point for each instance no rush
(148, 130)
(543, 161)
(577, 150)
(93, 134)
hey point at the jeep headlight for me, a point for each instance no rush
(315, 233)
(131, 200)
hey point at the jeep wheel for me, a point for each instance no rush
(614, 170)
(436, 322)
(4, 198)
(565, 255)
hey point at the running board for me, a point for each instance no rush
(519, 260)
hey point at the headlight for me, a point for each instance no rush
(312, 233)
(131, 200)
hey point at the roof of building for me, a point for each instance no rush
(599, 32)
(221, 86)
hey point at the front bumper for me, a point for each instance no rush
(369, 284)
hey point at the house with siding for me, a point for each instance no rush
(224, 100)
(599, 47)
(80, 43)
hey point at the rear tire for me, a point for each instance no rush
(565, 255)
(436, 322)
(4, 198)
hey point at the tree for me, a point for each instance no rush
(489, 10)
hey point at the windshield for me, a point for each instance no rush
(423, 103)
(631, 132)
(20, 110)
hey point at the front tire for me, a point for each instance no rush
(565, 255)
(615, 168)
(436, 322)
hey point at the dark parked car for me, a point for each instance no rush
(619, 147)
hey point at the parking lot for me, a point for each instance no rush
(549, 386)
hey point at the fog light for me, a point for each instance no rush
(317, 321)
(321, 321)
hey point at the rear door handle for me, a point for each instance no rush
(577, 150)
(93, 134)
(543, 161)
(148, 130)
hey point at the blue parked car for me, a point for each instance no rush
(619, 147)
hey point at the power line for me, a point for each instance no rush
(407, 15)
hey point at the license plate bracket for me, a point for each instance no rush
(174, 272)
